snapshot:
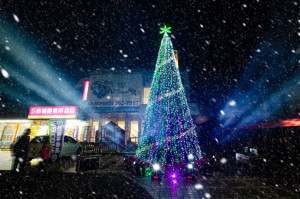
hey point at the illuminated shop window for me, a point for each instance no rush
(121, 124)
(146, 95)
(96, 125)
(134, 131)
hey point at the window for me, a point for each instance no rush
(96, 125)
(72, 140)
(134, 131)
(42, 139)
(69, 139)
(146, 95)
(121, 124)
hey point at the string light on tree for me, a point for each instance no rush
(168, 135)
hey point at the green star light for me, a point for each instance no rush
(165, 29)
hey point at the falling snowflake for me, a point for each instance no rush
(129, 70)
(125, 55)
(142, 30)
(207, 195)
(199, 186)
(223, 161)
(16, 18)
(232, 103)
(7, 48)
(4, 73)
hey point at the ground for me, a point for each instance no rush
(110, 181)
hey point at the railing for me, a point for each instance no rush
(96, 148)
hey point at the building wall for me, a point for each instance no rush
(117, 97)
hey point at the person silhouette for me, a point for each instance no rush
(20, 150)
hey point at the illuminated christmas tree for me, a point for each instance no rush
(168, 134)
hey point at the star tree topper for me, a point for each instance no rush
(165, 29)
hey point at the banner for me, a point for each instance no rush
(9, 135)
(85, 133)
(91, 137)
(75, 132)
(57, 135)
(115, 90)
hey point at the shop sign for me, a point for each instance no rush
(116, 90)
(55, 112)
(57, 135)
(116, 109)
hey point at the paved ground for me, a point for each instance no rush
(217, 187)
(110, 177)
(70, 185)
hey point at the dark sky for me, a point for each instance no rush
(216, 41)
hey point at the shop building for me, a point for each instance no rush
(108, 96)
(121, 97)
(39, 119)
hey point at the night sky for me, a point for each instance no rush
(217, 41)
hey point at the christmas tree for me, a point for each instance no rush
(168, 134)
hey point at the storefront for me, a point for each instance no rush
(39, 119)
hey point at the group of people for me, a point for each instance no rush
(20, 150)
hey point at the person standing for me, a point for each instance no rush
(20, 150)
(44, 154)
